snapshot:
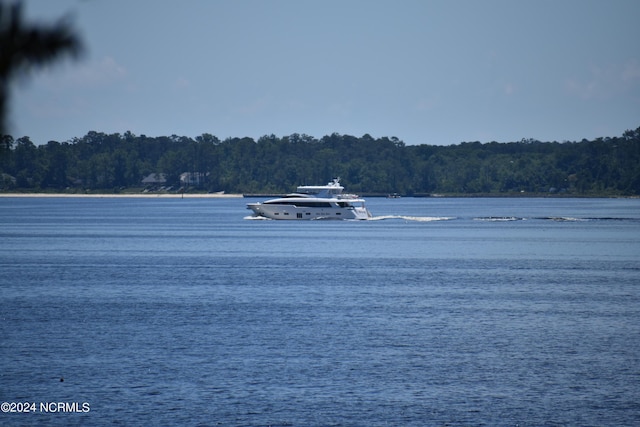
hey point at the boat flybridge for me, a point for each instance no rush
(313, 202)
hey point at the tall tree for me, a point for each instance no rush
(24, 47)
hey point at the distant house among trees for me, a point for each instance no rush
(155, 179)
(196, 179)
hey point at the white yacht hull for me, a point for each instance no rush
(292, 212)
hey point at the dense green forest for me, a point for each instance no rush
(100, 162)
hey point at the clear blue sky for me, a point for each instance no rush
(428, 72)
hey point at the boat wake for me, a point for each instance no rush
(563, 219)
(412, 218)
(255, 217)
(548, 218)
(499, 218)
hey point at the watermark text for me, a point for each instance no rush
(45, 407)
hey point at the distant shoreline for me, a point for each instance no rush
(127, 195)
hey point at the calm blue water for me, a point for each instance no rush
(442, 312)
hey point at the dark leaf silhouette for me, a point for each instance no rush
(24, 47)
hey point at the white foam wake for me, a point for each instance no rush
(412, 218)
(255, 217)
(499, 218)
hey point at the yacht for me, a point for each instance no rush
(313, 202)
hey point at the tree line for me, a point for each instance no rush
(99, 162)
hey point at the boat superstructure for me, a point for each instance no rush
(313, 202)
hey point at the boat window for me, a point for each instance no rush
(316, 204)
(300, 203)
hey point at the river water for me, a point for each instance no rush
(439, 312)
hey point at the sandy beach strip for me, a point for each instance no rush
(128, 195)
